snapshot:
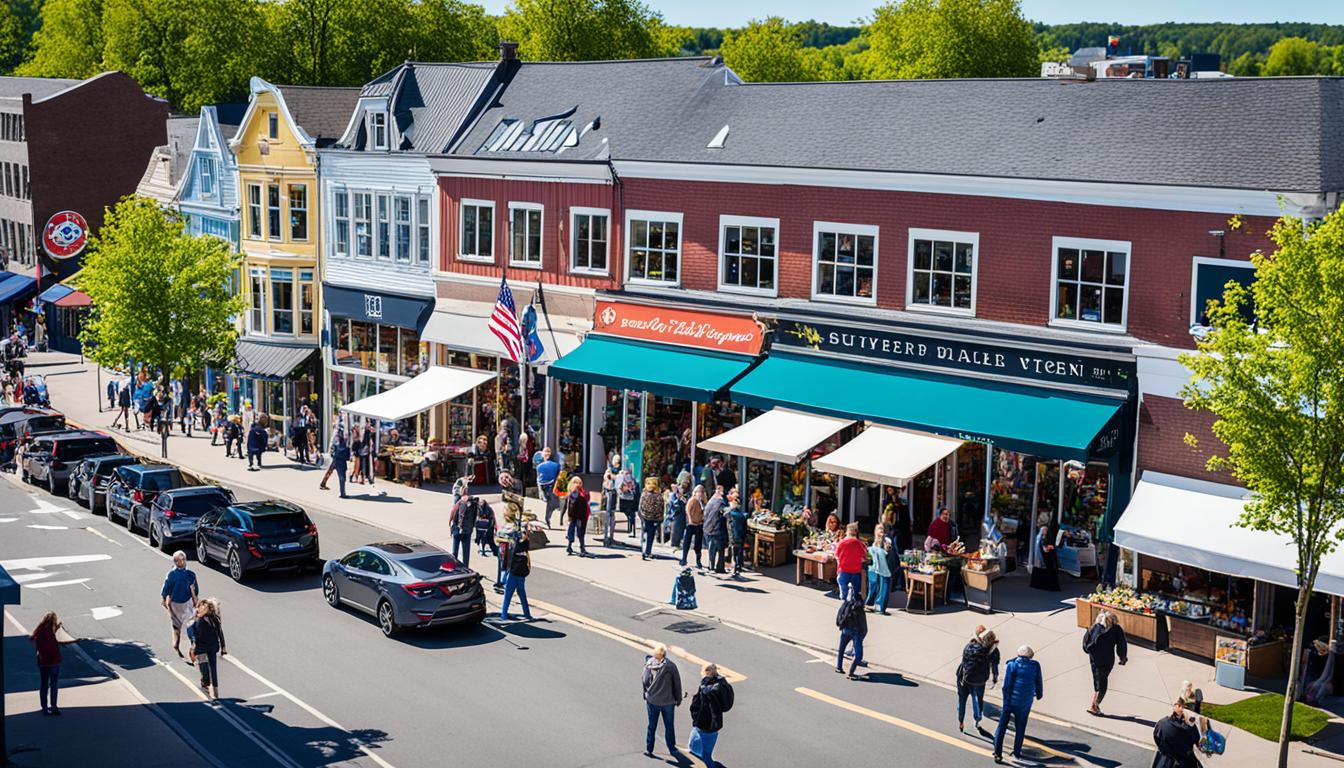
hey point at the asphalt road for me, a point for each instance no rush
(306, 685)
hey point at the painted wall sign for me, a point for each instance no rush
(707, 330)
(65, 235)
(883, 346)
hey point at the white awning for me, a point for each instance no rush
(778, 435)
(437, 385)
(464, 325)
(1193, 522)
(886, 455)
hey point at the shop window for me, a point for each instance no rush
(409, 358)
(254, 211)
(1084, 497)
(1012, 491)
(1208, 282)
(298, 212)
(942, 270)
(363, 203)
(654, 248)
(341, 214)
(844, 262)
(384, 227)
(1090, 279)
(477, 242)
(273, 211)
(422, 230)
(256, 316)
(525, 235)
(401, 209)
(747, 254)
(340, 349)
(282, 301)
(307, 292)
(572, 411)
(589, 249)
(363, 344)
(387, 349)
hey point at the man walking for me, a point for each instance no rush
(548, 471)
(1022, 686)
(124, 403)
(662, 694)
(852, 620)
(462, 523)
(737, 531)
(340, 454)
(256, 445)
(716, 530)
(179, 596)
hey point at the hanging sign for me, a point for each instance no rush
(65, 235)
(705, 330)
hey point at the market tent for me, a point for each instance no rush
(437, 385)
(74, 299)
(14, 287)
(1193, 522)
(663, 369)
(886, 455)
(779, 435)
(54, 292)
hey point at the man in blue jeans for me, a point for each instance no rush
(662, 693)
(462, 522)
(548, 471)
(1022, 685)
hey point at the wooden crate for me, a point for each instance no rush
(1137, 626)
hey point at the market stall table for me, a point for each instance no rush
(815, 565)
(770, 546)
(926, 586)
(978, 586)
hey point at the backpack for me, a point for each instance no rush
(124, 397)
(519, 564)
(683, 591)
(471, 510)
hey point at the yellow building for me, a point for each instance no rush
(276, 144)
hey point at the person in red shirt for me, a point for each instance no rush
(850, 555)
(48, 660)
(940, 530)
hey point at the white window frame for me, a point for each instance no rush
(1091, 244)
(337, 195)
(382, 226)
(206, 170)
(574, 213)
(253, 273)
(726, 221)
(408, 257)
(278, 208)
(424, 230)
(293, 301)
(304, 277)
(273, 126)
(863, 230)
(917, 233)
(289, 206)
(378, 123)
(1212, 261)
(462, 204)
(633, 215)
(355, 220)
(256, 228)
(541, 235)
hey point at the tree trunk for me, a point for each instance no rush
(1294, 672)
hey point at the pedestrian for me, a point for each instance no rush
(220, 418)
(627, 500)
(609, 482)
(356, 455)
(520, 565)
(48, 661)
(716, 530)
(367, 451)
(850, 556)
(112, 396)
(314, 433)
(676, 516)
(1045, 557)
(298, 435)
(462, 523)
(576, 512)
(1191, 697)
(179, 596)
(853, 623)
(256, 445)
(233, 436)
(186, 409)
(651, 508)
(662, 694)
(485, 529)
(879, 571)
(208, 644)
(694, 535)
(714, 697)
(724, 475)
(248, 416)
(1022, 686)
(124, 404)
(340, 454)
(940, 530)
(737, 531)
(979, 664)
(1176, 737)
(1103, 642)
(548, 471)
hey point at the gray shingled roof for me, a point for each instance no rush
(322, 111)
(40, 87)
(1281, 134)
(433, 101)
(637, 101)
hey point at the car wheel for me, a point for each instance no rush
(130, 521)
(236, 571)
(331, 592)
(386, 619)
(51, 484)
(24, 476)
(71, 491)
(155, 538)
(202, 556)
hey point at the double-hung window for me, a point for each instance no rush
(942, 268)
(384, 226)
(1090, 279)
(298, 212)
(653, 246)
(477, 240)
(748, 254)
(401, 211)
(307, 291)
(422, 230)
(273, 125)
(256, 316)
(363, 203)
(378, 129)
(844, 262)
(273, 211)
(282, 301)
(525, 235)
(340, 206)
(207, 176)
(254, 211)
(591, 228)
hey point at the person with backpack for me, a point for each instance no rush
(714, 697)
(208, 644)
(1022, 686)
(124, 404)
(462, 524)
(650, 515)
(233, 436)
(716, 530)
(736, 520)
(1103, 642)
(661, 683)
(1176, 737)
(485, 532)
(979, 663)
(520, 565)
(852, 620)
(576, 512)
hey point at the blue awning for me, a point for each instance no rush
(377, 307)
(1035, 420)
(663, 369)
(55, 292)
(15, 287)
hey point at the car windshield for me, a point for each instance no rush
(275, 525)
(105, 466)
(431, 565)
(77, 449)
(161, 480)
(46, 423)
(198, 504)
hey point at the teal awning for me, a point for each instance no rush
(1033, 420)
(662, 369)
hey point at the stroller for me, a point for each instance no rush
(683, 591)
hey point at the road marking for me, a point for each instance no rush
(50, 527)
(38, 563)
(142, 541)
(102, 536)
(105, 612)
(70, 513)
(9, 519)
(261, 741)
(896, 721)
(49, 584)
(24, 578)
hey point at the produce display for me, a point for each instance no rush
(1124, 598)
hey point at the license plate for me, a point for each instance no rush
(289, 545)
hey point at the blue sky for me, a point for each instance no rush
(731, 13)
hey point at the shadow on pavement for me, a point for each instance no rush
(740, 588)
(532, 631)
(123, 654)
(282, 581)
(309, 747)
(21, 674)
(890, 678)
(443, 638)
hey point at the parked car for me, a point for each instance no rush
(405, 584)
(258, 535)
(173, 516)
(137, 484)
(18, 427)
(88, 481)
(52, 457)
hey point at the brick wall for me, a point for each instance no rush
(1163, 424)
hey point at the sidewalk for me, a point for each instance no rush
(926, 647)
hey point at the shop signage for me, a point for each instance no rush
(911, 346)
(385, 308)
(373, 306)
(65, 235)
(707, 330)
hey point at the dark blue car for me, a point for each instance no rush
(258, 536)
(137, 485)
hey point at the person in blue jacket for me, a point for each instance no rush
(256, 444)
(1022, 686)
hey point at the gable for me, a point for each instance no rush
(253, 144)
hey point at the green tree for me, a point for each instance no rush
(913, 39)
(1245, 65)
(582, 30)
(1276, 388)
(770, 51)
(449, 30)
(69, 42)
(1294, 56)
(160, 296)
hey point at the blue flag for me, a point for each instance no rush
(535, 350)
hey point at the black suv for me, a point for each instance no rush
(88, 482)
(173, 516)
(258, 535)
(137, 484)
(18, 427)
(51, 458)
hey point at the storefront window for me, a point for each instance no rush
(571, 431)
(1084, 497)
(970, 489)
(364, 340)
(1047, 491)
(667, 437)
(307, 290)
(1012, 489)
(611, 423)
(341, 354)
(410, 353)
(387, 349)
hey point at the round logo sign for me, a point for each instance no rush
(65, 235)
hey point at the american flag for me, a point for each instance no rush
(504, 323)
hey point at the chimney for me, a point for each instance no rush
(508, 51)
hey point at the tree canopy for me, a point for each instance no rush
(583, 30)
(919, 39)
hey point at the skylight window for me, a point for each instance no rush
(547, 134)
(719, 139)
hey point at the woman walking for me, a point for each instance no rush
(1045, 559)
(576, 512)
(356, 459)
(520, 566)
(1103, 642)
(676, 516)
(650, 514)
(714, 697)
(979, 663)
(48, 661)
(367, 451)
(208, 644)
(1176, 737)
(694, 536)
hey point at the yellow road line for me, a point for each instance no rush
(898, 722)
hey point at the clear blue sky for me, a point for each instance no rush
(732, 13)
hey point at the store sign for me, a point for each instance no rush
(885, 346)
(707, 330)
(373, 306)
(65, 235)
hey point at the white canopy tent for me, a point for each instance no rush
(779, 435)
(438, 384)
(887, 455)
(1193, 522)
